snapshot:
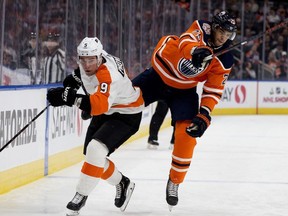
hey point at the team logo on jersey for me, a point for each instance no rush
(187, 69)
(120, 65)
(207, 28)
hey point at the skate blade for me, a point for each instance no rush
(72, 213)
(152, 147)
(130, 190)
(170, 207)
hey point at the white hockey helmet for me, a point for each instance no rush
(90, 46)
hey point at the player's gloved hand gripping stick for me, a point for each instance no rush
(74, 81)
(199, 54)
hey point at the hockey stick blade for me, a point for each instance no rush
(268, 31)
(19, 132)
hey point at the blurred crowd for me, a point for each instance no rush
(40, 47)
(36, 55)
(267, 54)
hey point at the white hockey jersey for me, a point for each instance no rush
(111, 90)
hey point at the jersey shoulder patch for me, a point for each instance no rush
(206, 29)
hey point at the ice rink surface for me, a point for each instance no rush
(239, 168)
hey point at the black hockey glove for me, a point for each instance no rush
(69, 96)
(199, 124)
(54, 96)
(198, 55)
(85, 115)
(73, 80)
(61, 96)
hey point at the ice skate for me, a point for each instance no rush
(124, 192)
(171, 194)
(152, 144)
(74, 206)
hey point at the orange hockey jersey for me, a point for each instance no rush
(172, 59)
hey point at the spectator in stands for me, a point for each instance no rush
(272, 17)
(249, 73)
(249, 16)
(236, 72)
(278, 62)
(281, 72)
(9, 57)
(281, 12)
(276, 53)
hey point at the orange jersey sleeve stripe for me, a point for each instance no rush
(99, 100)
(136, 103)
(207, 102)
(99, 103)
(92, 170)
(109, 171)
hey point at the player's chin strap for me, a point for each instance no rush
(268, 31)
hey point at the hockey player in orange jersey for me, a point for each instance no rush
(178, 65)
(116, 110)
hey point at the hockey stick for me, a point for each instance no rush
(268, 31)
(16, 135)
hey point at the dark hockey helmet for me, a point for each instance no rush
(227, 22)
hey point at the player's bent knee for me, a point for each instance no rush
(96, 151)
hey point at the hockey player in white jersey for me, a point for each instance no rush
(116, 110)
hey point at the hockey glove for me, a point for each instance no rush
(54, 96)
(198, 55)
(69, 96)
(61, 96)
(73, 80)
(199, 124)
(85, 115)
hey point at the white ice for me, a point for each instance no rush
(239, 168)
